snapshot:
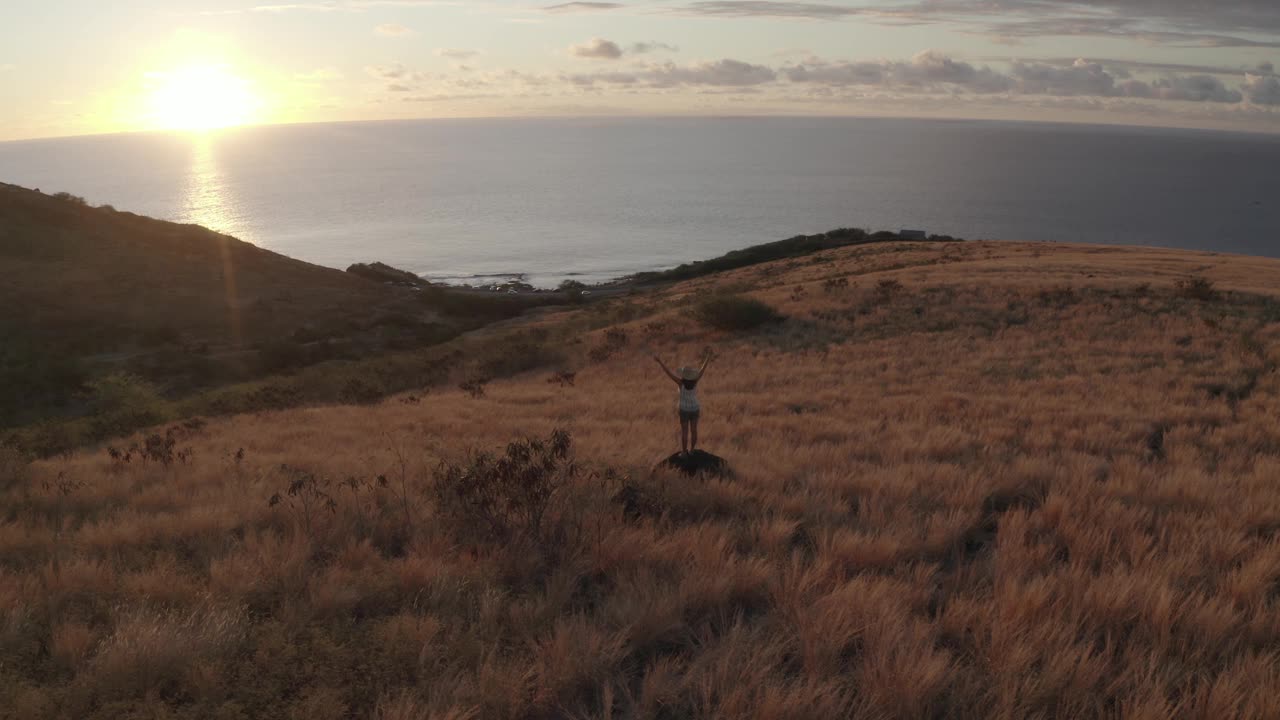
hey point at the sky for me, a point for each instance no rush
(73, 67)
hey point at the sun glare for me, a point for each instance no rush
(201, 97)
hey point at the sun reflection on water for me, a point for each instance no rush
(207, 200)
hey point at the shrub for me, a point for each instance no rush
(281, 356)
(616, 337)
(1197, 288)
(159, 335)
(474, 387)
(734, 313)
(573, 290)
(122, 403)
(614, 340)
(360, 391)
(797, 246)
(73, 199)
(13, 467)
(306, 497)
(564, 378)
(887, 288)
(507, 497)
(1058, 297)
(516, 355)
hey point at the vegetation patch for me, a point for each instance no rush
(797, 246)
(735, 313)
(1198, 288)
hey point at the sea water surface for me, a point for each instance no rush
(592, 199)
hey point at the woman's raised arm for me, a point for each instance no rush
(670, 374)
(706, 360)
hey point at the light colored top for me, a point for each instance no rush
(689, 399)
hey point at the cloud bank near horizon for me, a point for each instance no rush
(1209, 64)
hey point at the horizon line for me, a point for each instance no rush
(660, 116)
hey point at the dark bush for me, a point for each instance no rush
(791, 247)
(160, 335)
(13, 466)
(360, 391)
(655, 328)
(734, 313)
(502, 498)
(1058, 297)
(282, 356)
(1197, 288)
(564, 378)
(834, 285)
(306, 497)
(887, 288)
(73, 199)
(614, 340)
(474, 387)
(616, 337)
(122, 403)
(573, 290)
(516, 355)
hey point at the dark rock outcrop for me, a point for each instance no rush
(698, 462)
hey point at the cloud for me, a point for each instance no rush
(1188, 23)
(1087, 78)
(1091, 78)
(1191, 88)
(642, 48)
(456, 54)
(1262, 89)
(1080, 78)
(766, 8)
(933, 72)
(1123, 68)
(573, 7)
(6, 67)
(393, 71)
(597, 48)
(393, 30)
(601, 49)
(928, 70)
(449, 97)
(720, 73)
(397, 74)
(289, 7)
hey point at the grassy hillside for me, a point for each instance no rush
(978, 480)
(96, 303)
(114, 321)
(105, 273)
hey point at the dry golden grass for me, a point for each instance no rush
(980, 480)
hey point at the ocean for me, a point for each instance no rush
(468, 201)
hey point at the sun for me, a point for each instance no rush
(201, 97)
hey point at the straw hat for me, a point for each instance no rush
(688, 373)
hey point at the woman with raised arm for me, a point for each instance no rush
(689, 409)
